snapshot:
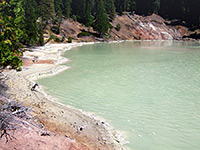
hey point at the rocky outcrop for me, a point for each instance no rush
(70, 28)
(133, 27)
(195, 35)
(146, 28)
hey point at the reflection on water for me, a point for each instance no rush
(148, 90)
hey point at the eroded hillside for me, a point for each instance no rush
(132, 27)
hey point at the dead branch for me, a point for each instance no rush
(12, 116)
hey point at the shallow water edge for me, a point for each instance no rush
(56, 68)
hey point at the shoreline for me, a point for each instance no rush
(81, 126)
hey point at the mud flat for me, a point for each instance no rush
(83, 128)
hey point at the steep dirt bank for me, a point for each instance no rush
(133, 27)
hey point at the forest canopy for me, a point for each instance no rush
(23, 22)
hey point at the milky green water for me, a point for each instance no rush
(150, 91)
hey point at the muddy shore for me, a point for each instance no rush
(83, 128)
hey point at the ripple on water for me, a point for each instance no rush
(150, 91)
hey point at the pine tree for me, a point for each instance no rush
(110, 9)
(132, 6)
(88, 18)
(57, 7)
(178, 9)
(82, 9)
(156, 6)
(78, 9)
(144, 7)
(46, 12)
(30, 29)
(101, 24)
(121, 5)
(192, 13)
(66, 8)
(166, 7)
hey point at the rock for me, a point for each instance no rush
(153, 27)
(155, 18)
(195, 35)
(45, 134)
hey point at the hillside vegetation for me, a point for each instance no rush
(36, 22)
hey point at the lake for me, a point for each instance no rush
(147, 90)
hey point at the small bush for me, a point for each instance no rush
(56, 39)
(83, 34)
(118, 27)
(69, 39)
(63, 38)
(51, 36)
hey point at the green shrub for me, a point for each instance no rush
(56, 39)
(52, 36)
(118, 27)
(63, 38)
(69, 39)
(16, 60)
(83, 34)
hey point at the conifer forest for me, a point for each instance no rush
(23, 22)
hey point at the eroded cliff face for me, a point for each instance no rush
(147, 28)
(133, 27)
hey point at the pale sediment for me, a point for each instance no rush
(85, 129)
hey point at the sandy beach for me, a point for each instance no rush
(81, 127)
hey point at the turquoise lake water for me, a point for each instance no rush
(149, 91)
